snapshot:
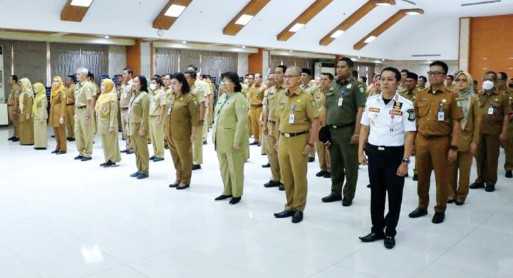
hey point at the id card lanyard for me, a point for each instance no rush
(292, 117)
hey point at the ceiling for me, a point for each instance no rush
(435, 32)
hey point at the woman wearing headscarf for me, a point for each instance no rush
(57, 114)
(107, 120)
(230, 135)
(26, 125)
(40, 116)
(469, 138)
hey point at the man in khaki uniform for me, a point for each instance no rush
(502, 79)
(306, 85)
(85, 94)
(322, 150)
(124, 102)
(69, 91)
(157, 98)
(199, 89)
(13, 106)
(410, 92)
(209, 105)
(255, 98)
(449, 82)
(438, 122)
(494, 111)
(298, 124)
(249, 79)
(270, 118)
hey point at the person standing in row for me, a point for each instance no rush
(199, 91)
(469, 138)
(157, 98)
(124, 103)
(58, 114)
(306, 85)
(13, 107)
(69, 119)
(298, 124)
(344, 107)
(26, 124)
(84, 113)
(502, 79)
(230, 134)
(438, 125)
(183, 120)
(387, 135)
(322, 150)
(410, 92)
(40, 116)
(138, 124)
(271, 131)
(494, 112)
(255, 98)
(107, 120)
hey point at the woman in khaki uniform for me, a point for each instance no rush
(138, 126)
(70, 108)
(58, 114)
(230, 136)
(107, 119)
(13, 106)
(26, 126)
(40, 116)
(469, 139)
(183, 117)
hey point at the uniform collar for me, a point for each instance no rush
(443, 89)
(297, 92)
(395, 98)
(345, 81)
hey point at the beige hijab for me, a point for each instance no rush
(465, 95)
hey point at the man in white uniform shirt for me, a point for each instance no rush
(387, 135)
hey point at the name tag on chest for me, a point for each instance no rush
(292, 118)
(441, 116)
(491, 110)
(340, 101)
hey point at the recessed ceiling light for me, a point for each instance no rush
(296, 27)
(383, 4)
(81, 3)
(337, 34)
(413, 13)
(175, 10)
(184, 42)
(106, 37)
(244, 19)
(243, 46)
(370, 39)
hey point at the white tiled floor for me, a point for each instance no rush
(63, 218)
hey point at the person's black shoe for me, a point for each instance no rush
(40, 149)
(476, 185)
(222, 197)
(71, 139)
(135, 175)
(297, 217)
(78, 157)
(11, 138)
(509, 174)
(152, 157)
(103, 164)
(109, 164)
(331, 198)
(459, 203)
(142, 176)
(124, 151)
(438, 218)
(418, 212)
(16, 139)
(196, 167)
(157, 159)
(372, 237)
(205, 142)
(284, 214)
(56, 151)
(311, 159)
(320, 173)
(415, 177)
(369, 185)
(490, 187)
(272, 183)
(129, 152)
(85, 158)
(254, 143)
(234, 200)
(281, 187)
(389, 242)
(450, 201)
(60, 152)
(173, 185)
(266, 165)
(347, 203)
(182, 187)
(327, 175)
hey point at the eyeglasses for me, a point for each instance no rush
(435, 73)
(461, 80)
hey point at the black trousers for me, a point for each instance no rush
(383, 164)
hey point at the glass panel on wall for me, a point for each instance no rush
(30, 60)
(166, 60)
(65, 59)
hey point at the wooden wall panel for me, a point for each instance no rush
(255, 62)
(133, 57)
(491, 45)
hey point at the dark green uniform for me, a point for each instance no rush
(342, 103)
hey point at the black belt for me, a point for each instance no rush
(257, 105)
(289, 135)
(124, 108)
(272, 122)
(384, 148)
(341, 125)
(70, 104)
(81, 107)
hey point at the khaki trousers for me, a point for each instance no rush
(181, 152)
(232, 172)
(84, 133)
(293, 170)
(458, 184)
(70, 121)
(142, 156)
(157, 136)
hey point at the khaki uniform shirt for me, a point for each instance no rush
(157, 101)
(255, 96)
(231, 123)
(492, 109)
(58, 108)
(435, 112)
(84, 92)
(14, 95)
(138, 113)
(126, 95)
(107, 116)
(470, 131)
(410, 95)
(183, 115)
(70, 94)
(296, 111)
(343, 101)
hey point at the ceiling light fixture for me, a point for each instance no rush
(81, 3)
(297, 27)
(244, 19)
(337, 34)
(175, 10)
(106, 37)
(370, 39)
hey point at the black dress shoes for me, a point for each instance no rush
(459, 203)
(281, 187)
(173, 185)
(235, 200)
(157, 159)
(71, 139)
(222, 197)
(311, 159)
(16, 139)
(272, 183)
(254, 143)
(490, 187)
(284, 214)
(332, 198)
(372, 237)
(152, 157)
(346, 202)
(509, 174)
(196, 167)
(268, 165)
(56, 151)
(389, 242)
(11, 138)
(297, 217)
(418, 212)
(327, 175)
(415, 177)
(321, 173)
(438, 217)
(182, 186)
(476, 185)
(142, 176)
(85, 158)
(78, 157)
(135, 175)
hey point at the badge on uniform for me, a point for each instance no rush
(349, 86)
(411, 115)
(441, 113)
(340, 101)
(292, 117)
(491, 110)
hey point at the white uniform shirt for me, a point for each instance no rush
(388, 123)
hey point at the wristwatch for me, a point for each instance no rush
(407, 161)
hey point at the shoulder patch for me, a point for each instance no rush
(411, 115)
(374, 109)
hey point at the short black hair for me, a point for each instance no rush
(129, 71)
(423, 78)
(306, 71)
(144, 83)
(90, 75)
(405, 71)
(158, 80)
(283, 67)
(348, 61)
(329, 75)
(451, 76)
(444, 66)
(192, 66)
(502, 76)
(412, 75)
(364, 79)
(180, 77)
(395, 71)
(234, 78)
(192, 74)
(492, 72)
(355, 74)
(14, 78)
